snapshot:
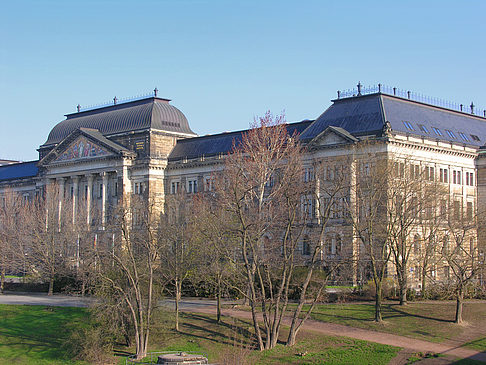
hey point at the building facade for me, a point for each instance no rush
(146, 147)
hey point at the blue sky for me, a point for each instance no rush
(224, 62)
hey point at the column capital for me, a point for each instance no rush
(75, 178)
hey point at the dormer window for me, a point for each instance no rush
(451, 134)
(408, 125)
(437, 131)
(475, 138)
(423, 128)
(464, 137)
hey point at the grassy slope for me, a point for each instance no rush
(427, 321)
(35, 334)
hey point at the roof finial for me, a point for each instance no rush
(155, 91)
(379, 88)
(78, 107)
(460, 106)
(359, 88)
(472, 107)
(408, 94)
(115, 100)
(339, 94)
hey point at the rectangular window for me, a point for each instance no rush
(470, 178)
(456, 177)
(457, 209)
(100, 191)
(469, 210)
(437, 131)
(174, 187)
(192, 186)
(308, 174)
(444, 175)
(443, 208)
(115, 188)
(208, 183)
(429, 173)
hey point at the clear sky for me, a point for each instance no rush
(224, 62)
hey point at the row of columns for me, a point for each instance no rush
(89, 192)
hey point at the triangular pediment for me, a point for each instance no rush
(81, 145)
(333, 136)
(82, 148)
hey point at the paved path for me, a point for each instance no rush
(44, 299)
(208, 307)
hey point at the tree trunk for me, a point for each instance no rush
(51, 286)
(403, 282)
(218, 300)
(177, 298)
(424, 292)
(378, 317)
(2, 280)
(459, 301)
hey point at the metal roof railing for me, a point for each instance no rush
(406, 94)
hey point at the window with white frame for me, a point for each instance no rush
(444, 175)
(191, 185)
(309, 174)
(208, 183)
(308, 204)
(470, 178)
(429, 173)
(456, 177)
(175, 187)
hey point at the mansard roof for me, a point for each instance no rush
(150, 113)
(219, 143)
(20, 170)
(367, 115)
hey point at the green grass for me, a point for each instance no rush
(430, 321)
(230, 342)
(36, 334)
(478, 344)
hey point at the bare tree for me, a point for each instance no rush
(10, 235)
(413, 201)
(49, 236)
(217, 247)
(460, 252)
(369, 219)
(128, 269)
(262, 189)
(177, 247)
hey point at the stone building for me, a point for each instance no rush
(146, 147)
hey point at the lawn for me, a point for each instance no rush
(36, 334)
(229, 343)
(431, 321)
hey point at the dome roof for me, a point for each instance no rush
(151, 113)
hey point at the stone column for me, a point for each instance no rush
(88, 198)
(104, 198)
(60, 182)
(75, 180)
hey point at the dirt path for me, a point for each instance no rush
(358, 333)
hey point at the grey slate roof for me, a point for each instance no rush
(358, 116)
(366, 115)
(18, 170)
(398, 110)
(155, 113)
(96, 134)
(219, 143)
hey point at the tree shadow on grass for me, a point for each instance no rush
(396, 309)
